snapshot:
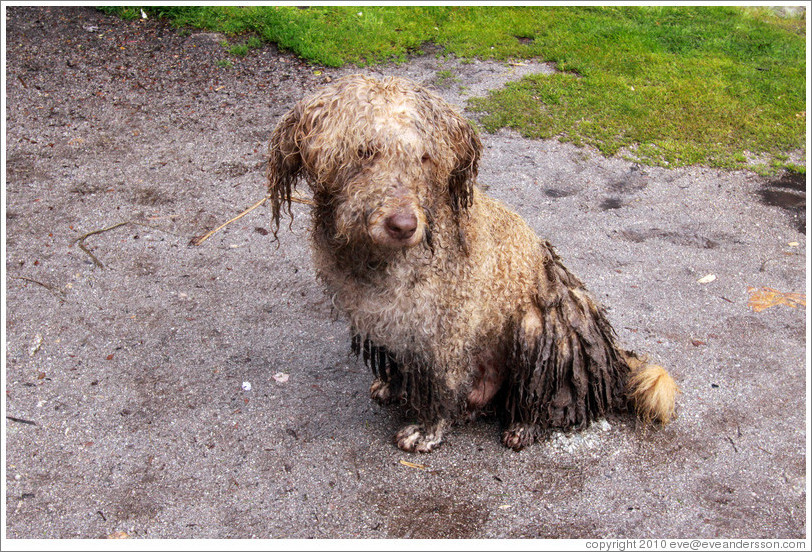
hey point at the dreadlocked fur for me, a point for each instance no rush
(453, 301)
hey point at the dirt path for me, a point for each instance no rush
(125, 406)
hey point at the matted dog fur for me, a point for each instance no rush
(453, 301)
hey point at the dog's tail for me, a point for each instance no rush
(651, 389)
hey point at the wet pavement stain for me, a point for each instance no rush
(558, 193)
(685, 238)
(620, 189)
(611, 203)
(788, 192)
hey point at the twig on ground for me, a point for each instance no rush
(302, 200)
(58, 294)
(80, 241)
(20, 420)
(197, 240)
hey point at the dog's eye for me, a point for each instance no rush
(366, 154)
(425, 159)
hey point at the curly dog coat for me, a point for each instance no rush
(454, 302)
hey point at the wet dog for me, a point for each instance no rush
(453, 301)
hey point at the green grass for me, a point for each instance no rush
(666, 86)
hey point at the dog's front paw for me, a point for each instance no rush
(417, 438)
(380, 392)
(518, 436)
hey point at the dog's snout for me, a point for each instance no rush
(396, 224)
(401, 225)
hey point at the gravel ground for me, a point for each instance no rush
(126, 409)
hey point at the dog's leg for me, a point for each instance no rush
(522, 429)
(414, 386)
(421, 437)
(519, 435)
(566, 370)
(386, 387)
(380, 392)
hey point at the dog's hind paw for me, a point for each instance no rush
(418, 438)
(518, 436)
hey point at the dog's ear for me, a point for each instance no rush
(284, 164)
(461, 141)
(467, 149)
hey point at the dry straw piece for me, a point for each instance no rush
(198, 240)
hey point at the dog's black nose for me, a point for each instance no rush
(401, 225)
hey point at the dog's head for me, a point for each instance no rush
(380, 157)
